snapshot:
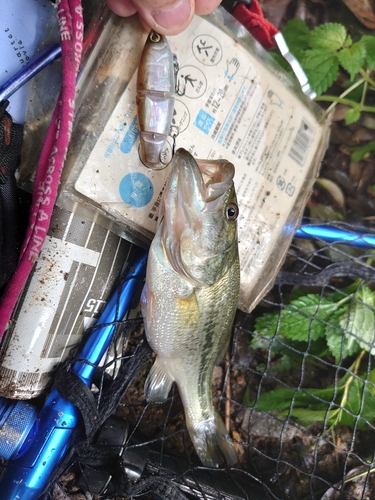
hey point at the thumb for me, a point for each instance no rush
(167, 17)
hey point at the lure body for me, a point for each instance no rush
(191, 295)
(155, 98)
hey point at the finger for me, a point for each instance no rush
(123, 8)
(203, 7)
(167, 17)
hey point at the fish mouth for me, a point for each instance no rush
(205, 180)
(194, 190)
(194, 187)
(217, 178)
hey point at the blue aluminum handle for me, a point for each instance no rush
(29, 71)
(330, 234)
(27, 474)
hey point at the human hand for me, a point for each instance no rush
(167, 17)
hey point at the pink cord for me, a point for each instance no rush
(52, 157)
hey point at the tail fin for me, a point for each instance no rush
(212, 442)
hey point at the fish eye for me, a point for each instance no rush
(232, 211)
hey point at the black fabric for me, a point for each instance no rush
(94, 413)
(163, 486)
(10, 150)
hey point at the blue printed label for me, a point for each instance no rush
(130, 137)
(204, 121)
(113, 143)
(232, 114)
(136, 189)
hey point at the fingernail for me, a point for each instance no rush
(175, 16)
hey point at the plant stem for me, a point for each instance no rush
(360, 474)
(358, 361)
(356, 366)
(366, 77)
(347, 385)
(344, 299)
(346, 92)
(370, 260)
(364, 92)
(348, 102)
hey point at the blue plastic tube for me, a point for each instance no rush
(332, 234)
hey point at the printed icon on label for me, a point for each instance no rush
(180, 119)
(191, 82)
(290, 189)
(275, 99)
(207, 50)
(204, 121)
(232, 68)
(280, 182)
(137, 189)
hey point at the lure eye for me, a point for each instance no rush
(155, 37)
(232, 211)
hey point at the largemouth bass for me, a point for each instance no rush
(191, 294)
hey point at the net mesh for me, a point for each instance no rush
(298, 398)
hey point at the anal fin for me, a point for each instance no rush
(158, 383)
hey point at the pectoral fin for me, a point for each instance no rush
(158, 383)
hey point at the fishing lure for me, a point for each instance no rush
(155, 98)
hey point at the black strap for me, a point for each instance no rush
(94, 413)
(71, 387)
(10, 150)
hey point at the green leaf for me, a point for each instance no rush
(369, 42)
(307, 416)
(371, 379)
(324, 212)
(356, 93)
(321, 69)
(360, 152)
(343, 293)
(280, 61)
(348, 402)
(276, 400)
(355, 395)
(368, 409)
(296, 34)
(345, 319)
(305, 317)
(361, 319)
(283, 399)
(352, 327)
(356, 403)
(329, 37)
(352, 116)
(353, 58)
(348, 42)
(341, 344)
(266, 325)
(277, 344)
